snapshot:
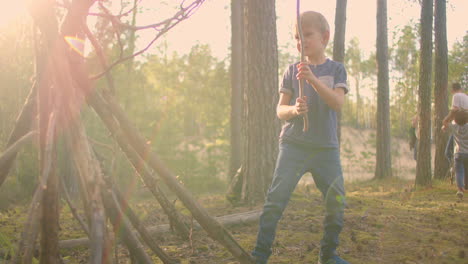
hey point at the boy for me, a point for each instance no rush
(459, 99)
(316, 150)
(460, 136)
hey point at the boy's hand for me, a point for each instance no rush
(300, 107)
(444, 127)
(304, 72)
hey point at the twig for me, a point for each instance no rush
(95, 142)
(161, 28)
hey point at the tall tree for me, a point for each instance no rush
(406, 68)
(353, 66)
(423, 167)
(237, 41)
(339, 42)
(440, 89)
(260, 99)
(383, 167)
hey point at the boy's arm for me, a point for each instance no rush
(447, 120)
(284, 111)
(334, 98)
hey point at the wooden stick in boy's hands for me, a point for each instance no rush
(301, 82)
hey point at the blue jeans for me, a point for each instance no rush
(293, 161)
(461, 165)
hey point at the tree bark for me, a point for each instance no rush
(339, 44)
(383, 155)
(261, 97)
(237, 64)
(423, 167)
(441, 164)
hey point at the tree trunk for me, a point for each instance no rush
(237, 63)
(383, 167)
(423, 167)
(261, 97)
(339, 44)
(441, 164)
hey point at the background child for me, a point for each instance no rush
(460, 136)
(316, 150)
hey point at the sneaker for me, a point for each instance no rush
(460, 194)
(333, 260)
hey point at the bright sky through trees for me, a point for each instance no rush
(211, 23)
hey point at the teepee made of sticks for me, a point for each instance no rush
(62, 87)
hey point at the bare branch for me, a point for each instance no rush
(100, 54)
(101, 144)
(14, 148)
(161, 28)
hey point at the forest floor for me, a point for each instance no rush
(386, 222)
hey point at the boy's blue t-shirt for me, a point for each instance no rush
(322, 119)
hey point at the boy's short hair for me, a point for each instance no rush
(314, 19)
(460, 116)
(456, 87)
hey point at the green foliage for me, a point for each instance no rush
(405, 65)
(458, 62)
(181, 104)
(188, 107)
(16, 72)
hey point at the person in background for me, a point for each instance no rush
(459, 101)
(413, 134)
(459, 98)
(460, 136)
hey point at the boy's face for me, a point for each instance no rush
(315, 41)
